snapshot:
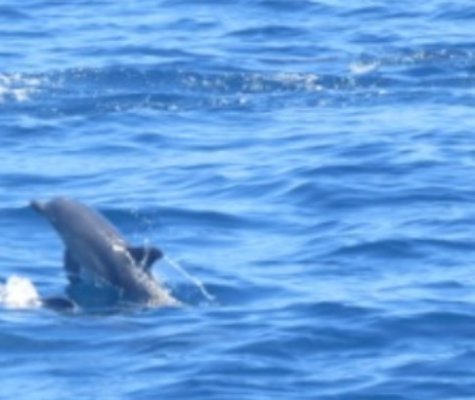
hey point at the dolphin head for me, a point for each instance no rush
(53, 209)
(56, 211)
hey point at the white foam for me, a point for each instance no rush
(17, 87)
(306, 81)
(18, 292)
(362, 68)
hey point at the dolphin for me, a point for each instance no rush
(97, 255)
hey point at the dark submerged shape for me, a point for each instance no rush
(98, 255)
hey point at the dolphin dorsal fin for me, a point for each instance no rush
(145, 256)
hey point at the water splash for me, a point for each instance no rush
(19, 292)
(201, 287)
(177, 267)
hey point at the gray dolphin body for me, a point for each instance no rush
(98, 255)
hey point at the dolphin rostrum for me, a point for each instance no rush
(98, 255)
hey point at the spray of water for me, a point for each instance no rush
(177, 267)
(192, 279)
(18, 292)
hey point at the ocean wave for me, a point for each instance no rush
(118, 89)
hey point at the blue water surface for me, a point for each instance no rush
(310, 162)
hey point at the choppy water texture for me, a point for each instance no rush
(310, 162)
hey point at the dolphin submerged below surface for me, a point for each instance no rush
(98, 256)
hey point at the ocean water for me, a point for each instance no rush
(309, 163)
